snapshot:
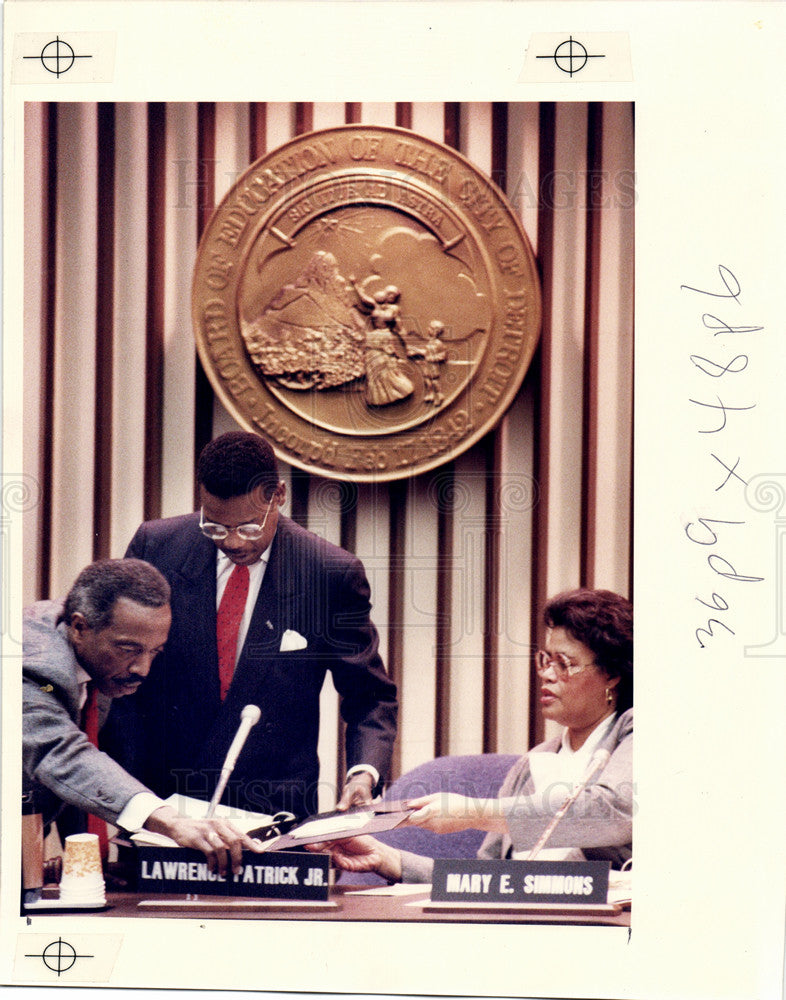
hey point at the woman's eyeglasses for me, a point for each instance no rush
(561, 664)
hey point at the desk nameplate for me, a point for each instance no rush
(576, 883)
(281, 876)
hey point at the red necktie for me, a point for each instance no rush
(90, 726)
(230, 611)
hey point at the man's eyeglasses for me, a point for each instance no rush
(563, 668)
(248, 532)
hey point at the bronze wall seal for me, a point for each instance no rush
(367, 299)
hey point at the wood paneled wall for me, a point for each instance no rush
(460, 559)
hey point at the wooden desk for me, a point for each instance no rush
(346, 904)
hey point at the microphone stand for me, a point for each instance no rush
(248, 718)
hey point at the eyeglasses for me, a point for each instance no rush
(218, 532)
(563, 668)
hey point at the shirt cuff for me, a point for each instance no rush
(367, 769)
(137, 811)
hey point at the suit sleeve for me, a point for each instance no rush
(368, 696)
(416, 868)
(59, 756)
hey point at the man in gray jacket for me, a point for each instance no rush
(77, 656)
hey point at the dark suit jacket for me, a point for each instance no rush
(174, 733)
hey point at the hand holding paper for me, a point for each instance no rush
(363, 854)
(221, 842)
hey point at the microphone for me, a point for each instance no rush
(248, 717)
(597, 762)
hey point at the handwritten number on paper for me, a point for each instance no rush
(718, 603)
(715, 370)
(708, 630)
(730, 283)
(704, 531)
(720, 406)
(713, 323)
(705, 522)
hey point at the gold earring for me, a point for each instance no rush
(609, 697)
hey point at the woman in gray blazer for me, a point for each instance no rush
(586, 685)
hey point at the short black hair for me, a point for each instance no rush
(101, 584)
(236, 463)
(603, 622)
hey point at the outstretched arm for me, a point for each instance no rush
(446, 812)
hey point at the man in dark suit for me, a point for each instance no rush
(303, 606)
(78, 655)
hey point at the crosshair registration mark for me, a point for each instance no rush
(57, 57)
(570, 56)
(59, 956)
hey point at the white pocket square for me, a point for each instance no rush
(291, 640)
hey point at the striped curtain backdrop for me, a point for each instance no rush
(460, 559)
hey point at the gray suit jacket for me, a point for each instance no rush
(59, 763)
(599, 822)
